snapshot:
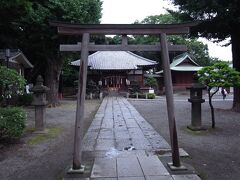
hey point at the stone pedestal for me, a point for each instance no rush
(101, 96)
(196, 112)
(40, 118)
(90, 96)
(40, 102)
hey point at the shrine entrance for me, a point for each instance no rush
(114, 82)
(122, 29)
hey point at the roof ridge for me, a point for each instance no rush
(149, 60)
(180, 58)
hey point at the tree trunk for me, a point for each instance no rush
(211, 105)
(52, 74)
(235, 37)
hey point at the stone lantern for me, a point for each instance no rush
(196, 100)
(40, 102)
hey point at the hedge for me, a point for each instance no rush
(12, 122)
(25, 99)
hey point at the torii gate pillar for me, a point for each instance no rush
(122, 29)
(78, 136)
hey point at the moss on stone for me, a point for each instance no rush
(196, 133)
(39, 138)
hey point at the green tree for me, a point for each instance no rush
(150, 81)
(11, 83)
(37, 39)
(69, 73)
(220, 19)
(196, 48)
(216, 76)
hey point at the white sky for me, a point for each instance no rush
(128, 11)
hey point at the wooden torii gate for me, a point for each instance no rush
(122, 29)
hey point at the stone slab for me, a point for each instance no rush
(159, 178)
(121, 144)
(121, 134)
(129, 167)
(104, 144)
(141, 143)
(96, 122)
(167, 152)
(151, 166)
(91, 135)
(76, 178)
(103, 178)
(136, 133)
(104, 168)
(131, 178)
(186, 177)
(106, 134)
(88, 145)
(159, 143)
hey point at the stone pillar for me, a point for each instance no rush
(196, 112)
(100, 95)
(90, 96)
(40, 102)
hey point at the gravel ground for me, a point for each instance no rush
(49, 158)
(214, 153)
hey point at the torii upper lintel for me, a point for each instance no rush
(129, 29)
(123, 29)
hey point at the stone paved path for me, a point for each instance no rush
(122, 144)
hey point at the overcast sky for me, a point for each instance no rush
(128, 11)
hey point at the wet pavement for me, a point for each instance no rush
(121, 144)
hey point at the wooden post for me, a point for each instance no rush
(124, 40)
(170, 105)
(77, 153)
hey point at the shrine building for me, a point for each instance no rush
(116, 70)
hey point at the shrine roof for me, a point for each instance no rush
(16, 56)
(183, 62)
(116, 60)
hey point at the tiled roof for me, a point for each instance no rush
(16, 56)
(179, 65)
(186, 68)
(180, 58)
(115, 60)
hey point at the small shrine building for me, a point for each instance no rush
(182, 68)
(116, 70)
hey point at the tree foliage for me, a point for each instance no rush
(219, 75)
(25, 25)
(150, 81)
(69, 73)
(11, 82)
(196, 49)
(12, 122)
(216, 76)
(220, 19)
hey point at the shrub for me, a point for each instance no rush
(25, 99)
(150, 81)
(11, 83)
(12, 122)
(151, 96)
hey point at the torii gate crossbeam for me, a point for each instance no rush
(123, 29)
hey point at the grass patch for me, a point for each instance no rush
(29, 130)
(39, 138)
(196, 133)
(203, 176)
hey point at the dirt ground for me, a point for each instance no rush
(214, 153)
(45, 157)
